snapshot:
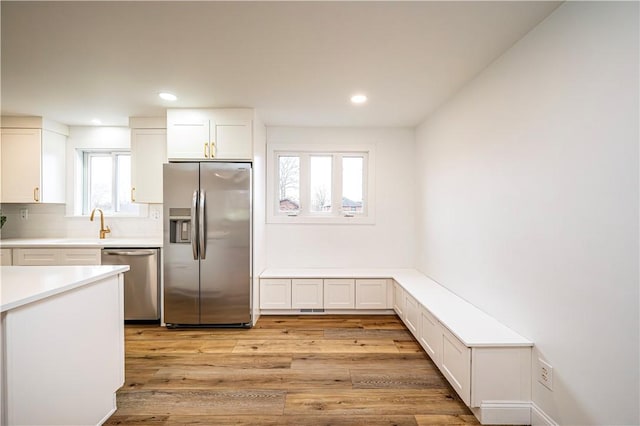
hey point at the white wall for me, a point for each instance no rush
(387, 243)
(528, 204)
(259, 213)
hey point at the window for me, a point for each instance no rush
(289, 183)
(107, 182)
(320, 186)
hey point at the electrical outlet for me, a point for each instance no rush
(24, 214)
(545, 374)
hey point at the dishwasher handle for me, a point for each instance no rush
(129, 252)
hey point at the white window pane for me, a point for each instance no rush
(123, 180)
(101, 183)
(320, 174)
(352, 184)
(289, 183)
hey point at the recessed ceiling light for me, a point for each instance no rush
(359, 99)
(168, 96)
(96, 121)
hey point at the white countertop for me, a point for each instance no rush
(472, 326)
(80, 242)
(21, 285)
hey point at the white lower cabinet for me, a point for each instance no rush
(500, 374)
(5, 257)
(275, 293)
(456, 365)
(430, 336)
(411, 314)
(307, 293)
(398, 299)
(80, 256)
(326, 293)
(35, 257)
(53, 256)
(371, 294)
(339, 293)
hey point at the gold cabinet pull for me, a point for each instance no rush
(133, 195)
(36, 194)
(206, 150)
(213, 149)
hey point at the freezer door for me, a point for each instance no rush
(225, 265)
(181, 272)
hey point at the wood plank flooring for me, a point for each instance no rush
(288, 370)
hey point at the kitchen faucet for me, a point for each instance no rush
(103, 231)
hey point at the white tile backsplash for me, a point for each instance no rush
(49, 221)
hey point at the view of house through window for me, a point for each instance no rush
(289, 183)
(321, 183)
(320, 176)
(107, 182)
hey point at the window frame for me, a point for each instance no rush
(85, 157)
(304, 215)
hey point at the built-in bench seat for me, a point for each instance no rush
(487, 363)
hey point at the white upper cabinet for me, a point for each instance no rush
(148, 154)
(32, 161)
(209, 134)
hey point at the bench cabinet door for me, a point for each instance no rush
(456, 365)
(339, 294)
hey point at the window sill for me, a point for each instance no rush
(321, 220)
(108, 216)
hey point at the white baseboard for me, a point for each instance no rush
(512, 412)
(267, 312)
(539, 417)
(110, 413)
(504, 412)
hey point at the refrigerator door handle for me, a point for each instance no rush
(202, 225)
(194, 225)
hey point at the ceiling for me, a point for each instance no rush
(296, 63)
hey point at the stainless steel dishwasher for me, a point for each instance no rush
(141, 282)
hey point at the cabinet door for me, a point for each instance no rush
(53, 171)
(21, 165)
(411, 314)
(456, 365)
(231, 140)
(430, 336)
(275, 294)
(35, 257)
(371, 294)
(187, 134)
(79, 256)
(398, 299)
(148, 154)
(5, 257)
(339, 294)
(307, 294)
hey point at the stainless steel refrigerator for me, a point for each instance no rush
(207, 244)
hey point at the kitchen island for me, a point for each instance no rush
(62, 351)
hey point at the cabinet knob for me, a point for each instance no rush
(213, 149)
(206, 150)
(133, 195)
(36, 194)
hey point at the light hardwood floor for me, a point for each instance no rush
(288, 370)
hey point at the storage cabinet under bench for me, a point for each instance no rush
(486, 363)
